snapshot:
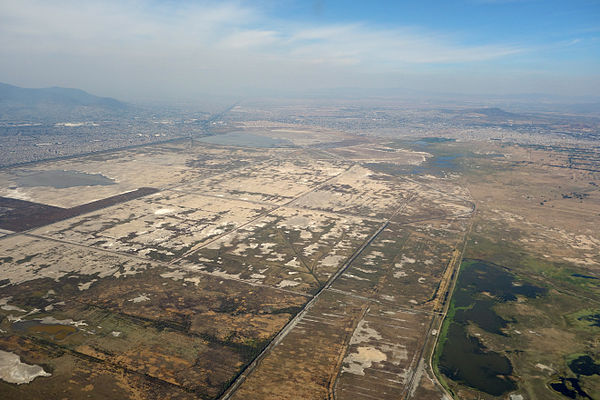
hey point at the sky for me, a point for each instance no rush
(139, 50)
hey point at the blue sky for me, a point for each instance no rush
(179, 49)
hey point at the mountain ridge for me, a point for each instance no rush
(55, 104)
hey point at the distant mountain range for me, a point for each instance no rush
(491, 113)
(494, 112)
(55, 104)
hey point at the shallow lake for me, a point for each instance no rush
(463, 357)
(63, 179)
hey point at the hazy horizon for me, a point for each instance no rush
(179, 50)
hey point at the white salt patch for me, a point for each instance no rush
(265, 248)
(12, 308)
(86, 286)
(223, 274)
(142, 297)
(52, 320)
(305, 234)
(358, 278)
(362, 359)
(366, 271)
(287, 283)
(12, 370)
(163, 211)
(7, 307)
(332, 260)
(175, 275)
(195, 280)
(544, 367)
(293, 263)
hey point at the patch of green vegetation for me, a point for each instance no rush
(587, 319)
(287, 310)
(559, 275)
(436, 140)
(159, 256)
(567, 313)
(574, 356)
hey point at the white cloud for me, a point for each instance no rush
(174, 47)
(250, 38)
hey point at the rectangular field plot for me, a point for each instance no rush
(292, 249)
(275, 182)
(144, 331)
(379, 152)
(382, 355)
(361, 192)
(120, 171)
(162, 226)
(77, 376)
(405, 264)
(343, 345)
(305, 362)
(26, 258)
(430, 203)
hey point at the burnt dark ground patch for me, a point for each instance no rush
(20, 215)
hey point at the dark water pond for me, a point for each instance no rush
(584, 365)
(439, 164)
(463, 358)
(446, 159)
(484, 277)
(63, 179)
(245, 139)
(436, 166)
(585, 276)
(594, 319)
(570, 388)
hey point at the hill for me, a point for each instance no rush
(494, 112)
(55, 104)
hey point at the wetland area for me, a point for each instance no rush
(461, 356)
(272, 263)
